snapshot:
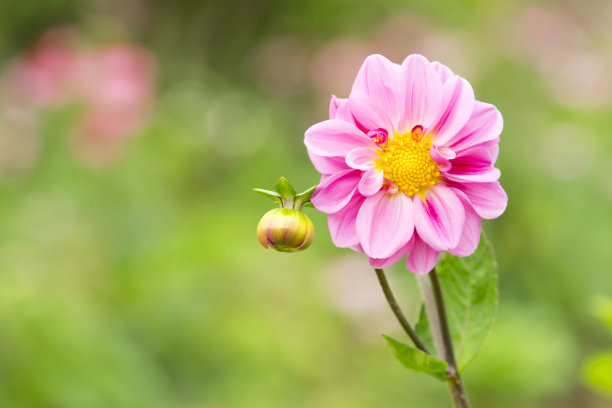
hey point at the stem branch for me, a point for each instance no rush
(384, 284)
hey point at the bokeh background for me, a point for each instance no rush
(132, 131)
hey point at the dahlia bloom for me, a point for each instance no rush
(406, 164)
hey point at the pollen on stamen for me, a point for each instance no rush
(407, 163)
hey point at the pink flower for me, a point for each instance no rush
(406, 164)
(44, 76)
(114, 85)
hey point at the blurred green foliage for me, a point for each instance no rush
(141, 282)
(598, 368)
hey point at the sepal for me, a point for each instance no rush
(303, 199)
(286, 196)
(270, 194)
(285, 189)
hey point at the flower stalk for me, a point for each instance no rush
(438, 321)
(384, 284)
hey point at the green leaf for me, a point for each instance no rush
(596, 372)
(417, 360)
(422, 330)
(469, 287)
(285, 189)
(303, 199)
(270, 194)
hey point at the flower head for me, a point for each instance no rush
(406, 164)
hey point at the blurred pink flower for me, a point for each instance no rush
(114, 86)
(407, 164)
(45, 76)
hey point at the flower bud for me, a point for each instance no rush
(285, 229)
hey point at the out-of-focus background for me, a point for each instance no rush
(132, 131)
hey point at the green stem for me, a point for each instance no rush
(438, 321)
(384, 284)
(455, 384)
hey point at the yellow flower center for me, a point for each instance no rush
(406, 162)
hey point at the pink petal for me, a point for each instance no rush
(336, 191)
(458, 105)
(443, 156)
(488, 199)
(393, 259)
(342, 224)
(439, 217)
(368, 113)
(325, 177)
(422, 259)
(361, 158)
(424, 93)
(485, 124)
(385, 223)
(344, 112)
(333, 106)
(357, 248)
(493, 151)
(339, 109)
(476, 166)
(381, 80)
(327, 165)
(471, 233)
(488, 149)
(335, 138)
(446, 152)
(371, 182)
(442, 70)
(482, 175)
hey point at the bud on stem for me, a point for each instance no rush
(286, 229)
